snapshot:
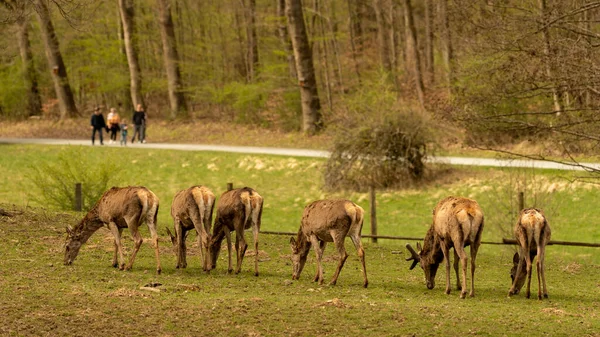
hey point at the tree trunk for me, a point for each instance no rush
(62, 88)
(252, 41)
(284, 38)
(311, 105)
(34, 101)
(355, 35)
(447, 51)
(383, 35)
(411, 43)
(548, 58)
(429, 37)
(127, 15)
(167, 33)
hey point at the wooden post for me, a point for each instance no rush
(373, 201)
(521, 201)
(78, 198)
(229, 186)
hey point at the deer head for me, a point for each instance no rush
(299, 255)
(426, 260)
(72, 245)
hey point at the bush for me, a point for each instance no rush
(384, 145)
(54, 183)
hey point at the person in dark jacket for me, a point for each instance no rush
(97, 124)
(139, 124)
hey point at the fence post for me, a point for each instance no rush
(229, 186)
(521, 201)
(373, 202)
(78, 198)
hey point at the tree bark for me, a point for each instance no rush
(447, 52)
(171, 57)
(34, 101)
(311, 105)
(411, 43)
(285, 38)
(60, 79)
(383, 35)
(252, 41)
(429, 40)
(127, 18)
(558, 107)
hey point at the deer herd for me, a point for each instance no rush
(457, 223)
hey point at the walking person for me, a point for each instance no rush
(124, 132)
(113, 120)
(97, 123)
(139, 124)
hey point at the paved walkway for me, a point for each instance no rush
(539, 164)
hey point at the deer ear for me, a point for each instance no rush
(69, 230)
(516, 258)
(419, 248)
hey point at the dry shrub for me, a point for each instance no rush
(382, 144)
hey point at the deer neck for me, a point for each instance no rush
(302, 244)
(88, 226)
(432, 250)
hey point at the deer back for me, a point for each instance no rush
(322, 217)
(239, 205)
(190, 203)
(458, 219)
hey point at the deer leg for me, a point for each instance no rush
(197, 217)
(338, 240)
(474, 248)
(228, 237)
(116, 232)
(361, 255)
(180, 244)
(154, 237)
(137, 243)
(455, 264)
(240, 247)
(460, 250)
(528, 264)
(541, 259)
(255, 237)
(321, 246)
(446, 251)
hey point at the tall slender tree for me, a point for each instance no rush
(252, 38)
(312, 121)
(135, 75)
(284, 37)
(171, 57)
(446, 38)
(413, 50)
(34, 101)
(66, 102)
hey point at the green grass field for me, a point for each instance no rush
(40, 296)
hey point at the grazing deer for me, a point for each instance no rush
(118, 208)
(192, 208)
(533, 234)
(237, 210)
(328, 221)
(457, 223)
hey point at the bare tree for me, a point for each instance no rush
(252, 39)
(429, 40)
(167, 33)
(34, 101)
(285, 38)
(411, 42)
(383, 33)
(446, 38)
(311, 105)
(62, 88)
(127, 18)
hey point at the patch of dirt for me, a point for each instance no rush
(572, 268)
(336, 302)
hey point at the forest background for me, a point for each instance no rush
(481, 73)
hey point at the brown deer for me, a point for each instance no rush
(192, 208)
(457, 223)
(533, 234)
(328, 221)
(237, 209)
(118, 208)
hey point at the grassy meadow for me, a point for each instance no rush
(40, 296)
